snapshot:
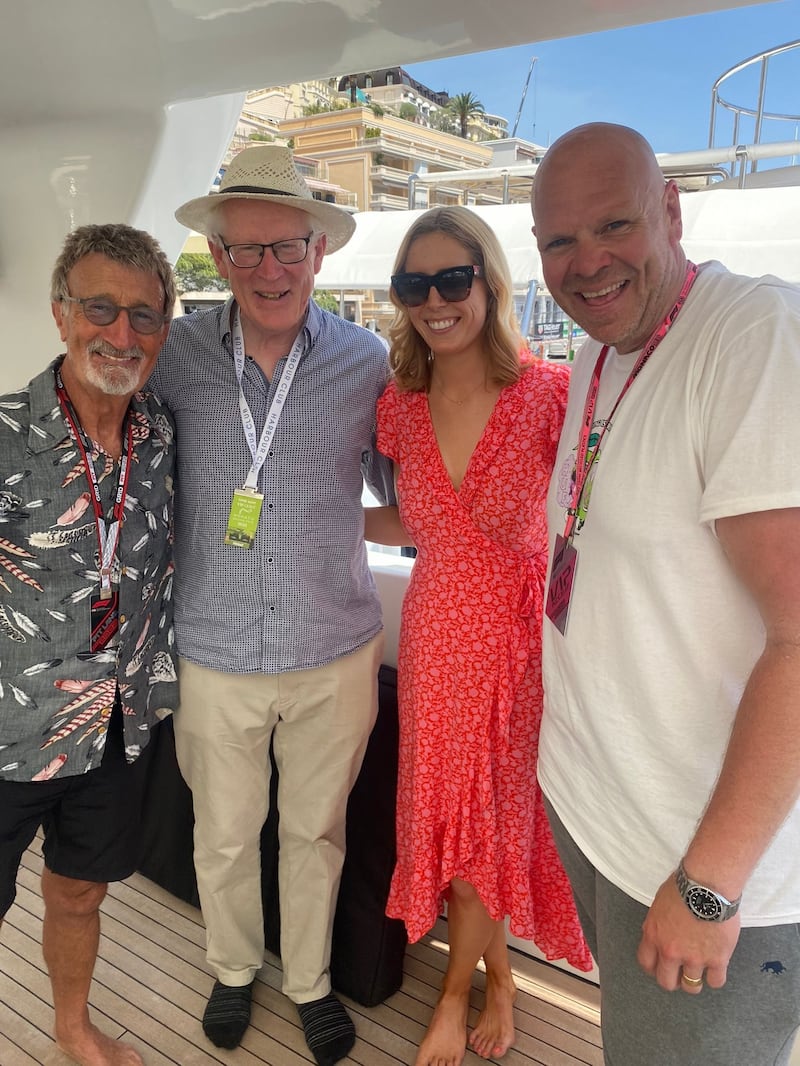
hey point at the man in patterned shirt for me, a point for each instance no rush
(86, 462)
(278, 624)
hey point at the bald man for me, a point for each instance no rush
(670, 746)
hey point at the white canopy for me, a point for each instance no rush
(751, 231)
(366, 260)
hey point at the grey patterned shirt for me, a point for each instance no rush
(303, 595)
(56, 696)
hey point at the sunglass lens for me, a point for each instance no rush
(454, 285)
(100, 312)
(413, 292)
(145, 320)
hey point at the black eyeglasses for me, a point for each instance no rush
(453, 285)
(102, 312)
(286, 252)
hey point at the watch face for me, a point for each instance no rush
(704, 903)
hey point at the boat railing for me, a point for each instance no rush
(754, 120)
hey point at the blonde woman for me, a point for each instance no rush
(472, 423)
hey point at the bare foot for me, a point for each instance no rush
(93, 1048)
(445, 1042)
(494, 1032)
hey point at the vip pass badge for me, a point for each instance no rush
(562, 578)
(246, 503)
(565, 554)
(243, 518)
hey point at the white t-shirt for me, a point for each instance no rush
(642, 691)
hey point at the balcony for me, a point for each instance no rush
(383, 175)
(380, 201)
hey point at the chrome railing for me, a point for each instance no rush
(758, 112)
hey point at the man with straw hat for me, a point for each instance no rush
(278, 623)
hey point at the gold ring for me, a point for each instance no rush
(694, 981)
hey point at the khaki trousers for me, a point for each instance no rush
(320, 721)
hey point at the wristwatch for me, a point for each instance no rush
(704, 902)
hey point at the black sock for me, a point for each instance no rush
(227, 1014)
(329, 1030)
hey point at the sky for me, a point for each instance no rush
(656, 78)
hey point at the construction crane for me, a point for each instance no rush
(524, 91)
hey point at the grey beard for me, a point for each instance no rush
(114, 380)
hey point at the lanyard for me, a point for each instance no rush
(259, 449)
(107, 535)
(584, 461)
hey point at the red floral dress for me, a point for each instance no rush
(470, 688)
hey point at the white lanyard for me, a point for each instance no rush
(259, 449)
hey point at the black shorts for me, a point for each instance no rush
(91, 821)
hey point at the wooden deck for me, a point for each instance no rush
(151, 985)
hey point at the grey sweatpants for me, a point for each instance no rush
(751, 1021)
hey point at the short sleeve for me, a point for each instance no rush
(550, 385)
(388, 410)
(747, 403)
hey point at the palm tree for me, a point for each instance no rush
(464, 107)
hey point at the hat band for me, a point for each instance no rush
(260, 189)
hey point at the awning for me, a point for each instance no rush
(751, 231)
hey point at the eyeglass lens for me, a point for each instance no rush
(286, 252)
(453, 285)
(104, 312)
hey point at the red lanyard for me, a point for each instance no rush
(583, 460)
(107, 536)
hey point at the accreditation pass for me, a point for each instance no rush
(243, 517)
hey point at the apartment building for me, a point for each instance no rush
(368, 159)
(376, 155)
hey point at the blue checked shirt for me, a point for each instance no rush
(303, 595)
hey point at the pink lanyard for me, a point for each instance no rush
(584, 461)
(107, 537)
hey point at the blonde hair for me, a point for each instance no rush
(409, 354)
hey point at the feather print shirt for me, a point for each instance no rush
(56, 695)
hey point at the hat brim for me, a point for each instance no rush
(337, 223)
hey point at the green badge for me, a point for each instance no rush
(243, 519)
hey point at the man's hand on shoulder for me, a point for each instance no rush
(675, 942)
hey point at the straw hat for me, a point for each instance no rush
(267, 172)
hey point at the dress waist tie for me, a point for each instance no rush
(514, 663)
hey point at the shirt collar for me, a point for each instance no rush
(48, 428)
(312, 325)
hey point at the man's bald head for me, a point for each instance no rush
(597, 147)
(608, 229)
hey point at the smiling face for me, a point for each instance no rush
(608, 230)
(272, 297)
(111, 360)
(447, 328)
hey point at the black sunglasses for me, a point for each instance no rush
(453, 285)
(102, 312)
